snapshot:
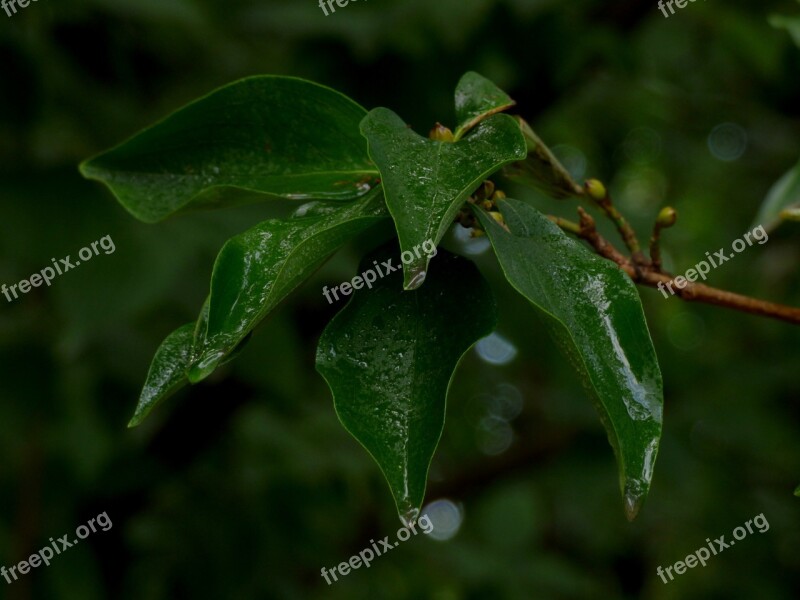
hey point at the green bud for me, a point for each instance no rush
(440, 133)
(596, 189)
(667, 217)
(497, 217)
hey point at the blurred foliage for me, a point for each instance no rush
(246, 485)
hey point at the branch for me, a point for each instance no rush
(650, 274)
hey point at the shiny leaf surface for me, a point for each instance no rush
(389, 357)
(426, 181)
(257, 269)
(167, 372)
(476, 99)
(275, 135)
(596, 315)
(789, 23)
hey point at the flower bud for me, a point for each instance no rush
(497, 217)
(667, 217)
(440, 133)
(596, 189)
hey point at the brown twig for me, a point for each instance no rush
(597, 192)
(649, 274)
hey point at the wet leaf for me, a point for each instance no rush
(426, 181)
(389, 357)
(257, 269)
(167, 372)
(169, 366)
(595, 313)
(789, 23)
(476, 99)
(541, 170)
(782, 199)
(261, 135)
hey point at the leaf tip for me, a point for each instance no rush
(633, 497)
(414, 280)
(204, 366)
(408, 516)
(632, 504)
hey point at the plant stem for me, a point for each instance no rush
(649, 275)
(625, 230)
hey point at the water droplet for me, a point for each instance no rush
(633, 498)
(417, 280)
(409, 516)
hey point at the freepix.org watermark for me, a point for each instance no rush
(370, 276)
(63, 265)
(703, 268)
(10, 6)
(366, 556)
(664, 4)
(701, 555)
(101, 522)
(331, 7)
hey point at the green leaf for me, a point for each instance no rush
(476, 99)
(783, 196)
(389, 357)
(595, 312)
(266, 135)
(789, 23)
(257, 269)
(168, 369)
(426, 181)
(167, 372)
(541, 170)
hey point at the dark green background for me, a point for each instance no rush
(246, 485)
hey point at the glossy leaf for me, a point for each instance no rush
(167, 372)
(169, 366)
(426, 181)
(257, 269)
(389, 357)
(782, 198)
(789, 23)
(476, 99)
(541, 170)
(275, 135)
(595, 312)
